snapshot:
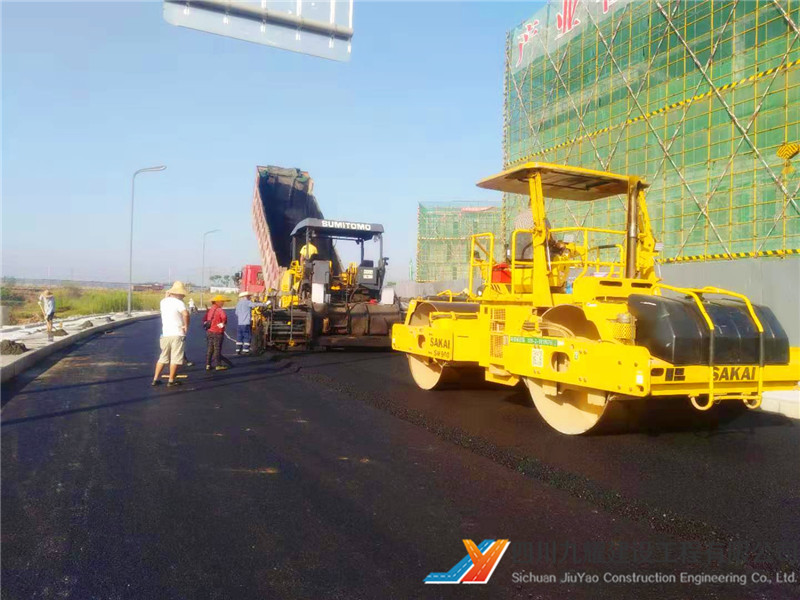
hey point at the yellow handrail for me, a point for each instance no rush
(596, 263)
(514, 261)
(693, 292)
(592, 229)
(480, 263)
(759, 327)
(721, 292)
(710, 323)
(582, 250)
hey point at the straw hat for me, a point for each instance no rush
(177, 289)
(46, 293)
(219, 298)
(244, 294)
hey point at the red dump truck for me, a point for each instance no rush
(251, 279)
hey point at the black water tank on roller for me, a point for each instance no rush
(674, 330)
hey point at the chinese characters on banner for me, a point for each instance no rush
(527, 36)
(606, 5)
(566, 21)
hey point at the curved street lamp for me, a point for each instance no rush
(130, 248)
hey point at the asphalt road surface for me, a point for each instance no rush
(330, 475)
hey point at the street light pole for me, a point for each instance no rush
(130, 246)
(203, 268)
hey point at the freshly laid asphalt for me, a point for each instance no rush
(331, 475)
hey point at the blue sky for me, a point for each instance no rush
(91, 92)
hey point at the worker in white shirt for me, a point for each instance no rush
(174, 325)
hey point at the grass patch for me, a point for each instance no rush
(72, 300)
(22, 302)
(93, 301)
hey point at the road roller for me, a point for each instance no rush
(581, 317)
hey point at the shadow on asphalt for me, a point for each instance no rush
(155, 393)
(12, 388)
(655, 417)
(253, 370)
(70, 386)
(649, 417)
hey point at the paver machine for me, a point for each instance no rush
(580, 316)
(322, 304)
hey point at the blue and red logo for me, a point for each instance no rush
(477, 566)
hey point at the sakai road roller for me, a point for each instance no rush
(580, 316)
(322, 304)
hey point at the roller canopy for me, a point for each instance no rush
(561, 181)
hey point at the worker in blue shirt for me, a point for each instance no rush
(243, 317)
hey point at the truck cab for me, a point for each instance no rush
(250, 279)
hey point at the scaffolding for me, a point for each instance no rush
(443, 237)
(696, 97)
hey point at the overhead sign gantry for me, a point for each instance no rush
(318, 28)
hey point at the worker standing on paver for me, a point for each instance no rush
(308, 252)
(244, 308)
(47, 302)
(214, 323)
(174, 325)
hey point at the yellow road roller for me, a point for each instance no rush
(581, 317)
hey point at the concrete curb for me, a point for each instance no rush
(42, 324)
(29, 359)
(785, 403)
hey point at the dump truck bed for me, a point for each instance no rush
(282, 197)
